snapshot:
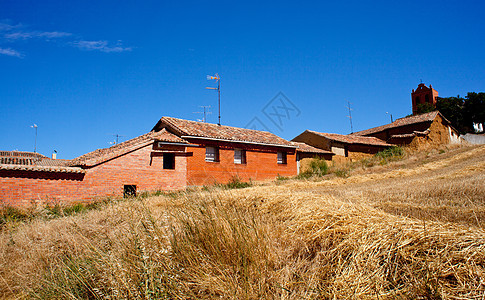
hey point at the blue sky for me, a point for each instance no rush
(84, 71)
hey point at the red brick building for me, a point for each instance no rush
(423, 95)
(175, 154)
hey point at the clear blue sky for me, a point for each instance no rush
(85, 70)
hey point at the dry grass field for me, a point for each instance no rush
(410, 229)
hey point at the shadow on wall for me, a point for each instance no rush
(42, 175)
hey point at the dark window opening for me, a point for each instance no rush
(129, 191)
(418, 100)
(169, 161)
(281, 158)
(426, 98)
(212, 154)
(239, 156)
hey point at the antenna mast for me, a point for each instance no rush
(35, 142)
(205, 112)
(218, 88)
(117, 138)
(350, 117)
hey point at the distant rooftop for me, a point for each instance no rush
(350, 139)
(426, 117)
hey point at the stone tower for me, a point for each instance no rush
(423, 94)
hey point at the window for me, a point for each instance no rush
(169, 161)
(239, 156)
(281, 157)
(212, 154)
(129, 191)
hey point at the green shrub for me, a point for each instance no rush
(281, 178)
(318, 167)
(10, 213)
(390, 154)
(235, 183)
(344, 173)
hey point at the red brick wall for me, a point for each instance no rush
(141, 168)
(20, 188)
(421, 92)
(260, 164)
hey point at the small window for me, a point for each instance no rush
(239, 156)
(281, 157)
(129, 191)
(169, 161)
(211, 154)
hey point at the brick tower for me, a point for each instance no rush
(423, 94)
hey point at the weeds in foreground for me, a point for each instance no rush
(317, 167)
(221, 245)
(342, 172)
(234, 183)
(9, 214)
(384, 157)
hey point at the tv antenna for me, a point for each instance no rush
(390, 115)
(35, 141)
(218, 88)
(350, 117)
(117, 139)
(205, 112)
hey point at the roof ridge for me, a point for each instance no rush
(116, 150)
(351, 139)
(216, 125)
(195, 129)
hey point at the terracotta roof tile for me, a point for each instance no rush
(165, 136)
(186, 129)
(53, 162)
(305, 148)
(22, 154)
(349, 139)
(21, 158)
(427, 117)
(101, 155)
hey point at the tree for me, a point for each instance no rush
(474, 109)
(463, 112)
(452, 109)
(426, 107)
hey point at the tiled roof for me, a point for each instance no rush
(302, 147)
(186, 129)
(20, 157)
(101, 155)
(57, 169)
(47, 162)
(165, 136)
(426, 117)
(22, 154)
(349, 139)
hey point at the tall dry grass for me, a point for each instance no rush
(309, 239)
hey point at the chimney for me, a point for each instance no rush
(54, 154)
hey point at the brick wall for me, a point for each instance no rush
(21, 188)
(261, 163)
(144, 169)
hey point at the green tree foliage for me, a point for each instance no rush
(475, 108)
(425, 108)
(452, 109)
(463, 112)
